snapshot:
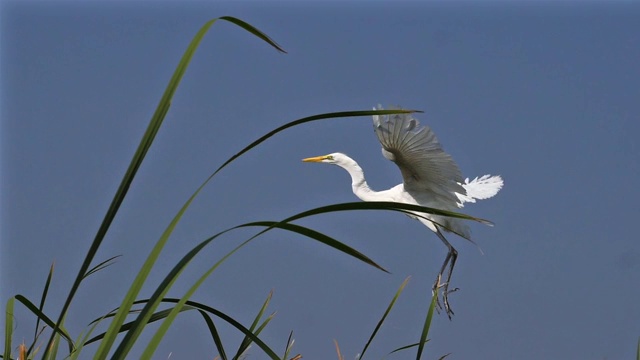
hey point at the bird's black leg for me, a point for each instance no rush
(437, 285)
(451, 258)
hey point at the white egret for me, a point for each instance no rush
(430, 178)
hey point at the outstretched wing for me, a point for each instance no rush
(425, 167)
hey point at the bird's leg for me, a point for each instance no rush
(451, 258)
(446, 291)
(437, 285)
(444, 266)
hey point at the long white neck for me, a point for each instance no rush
(358, 183)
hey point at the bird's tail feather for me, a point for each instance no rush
(480, 188)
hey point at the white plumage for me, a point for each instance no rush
(480, 188)
(430, 178)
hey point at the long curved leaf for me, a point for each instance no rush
(43, 299)
(384, 316)
(150, 134)
(163, 288)
(246, 341)
(214, 334)
(382, 205)
(427, 324)
(8, 328)
(140, 280)
(58, 329)
(155, 341)
(178, 216)
(256, 333)
(407, 347)
(407, 209)
(142, 276)
(172, 276)
(320, 237)
(102, 265)
(144, 316)
(157, 316)
(191, 305)
(84, 341)
(231, 321)
(325, 116)
(287, 350)
(253, 30)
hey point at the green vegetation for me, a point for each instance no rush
(133, 314)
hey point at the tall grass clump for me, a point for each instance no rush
(133, 314)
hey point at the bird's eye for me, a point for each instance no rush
(329, 157)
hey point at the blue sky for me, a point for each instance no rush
(544, 95)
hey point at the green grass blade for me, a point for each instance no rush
(171, 277)
(155, 341)
(384, 316)
(250, 28)
(232, 322)
(59, 329)
(164, 327)
(320, 237)
(214, 334)
(246, 341)
(144, 146)
(190, 305)
(110, 314)
(407, 347)
(165, 102)
(163, 288)
(427, 324)
(80, 345)
(53, 353)
(8, 328)
(115, 205)
(256, 333)
(382, 205)
(289, 346)
(31, 352)
(333, 115)
(255, 143)
(264, 324)
(157, 316)
(101, 265)
(143, 318)
(407, 209)
(135, 288)
(43, 298)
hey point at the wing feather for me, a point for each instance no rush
(425, 167)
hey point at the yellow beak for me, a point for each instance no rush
(315, 159)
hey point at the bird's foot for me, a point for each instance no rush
(445, 299)
(434, 291)
(437, 285)
(445, 296)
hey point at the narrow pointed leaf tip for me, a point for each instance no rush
(384, 316)
(254, 31)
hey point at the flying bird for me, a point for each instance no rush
(430, 178)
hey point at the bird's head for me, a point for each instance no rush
(334, 158)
